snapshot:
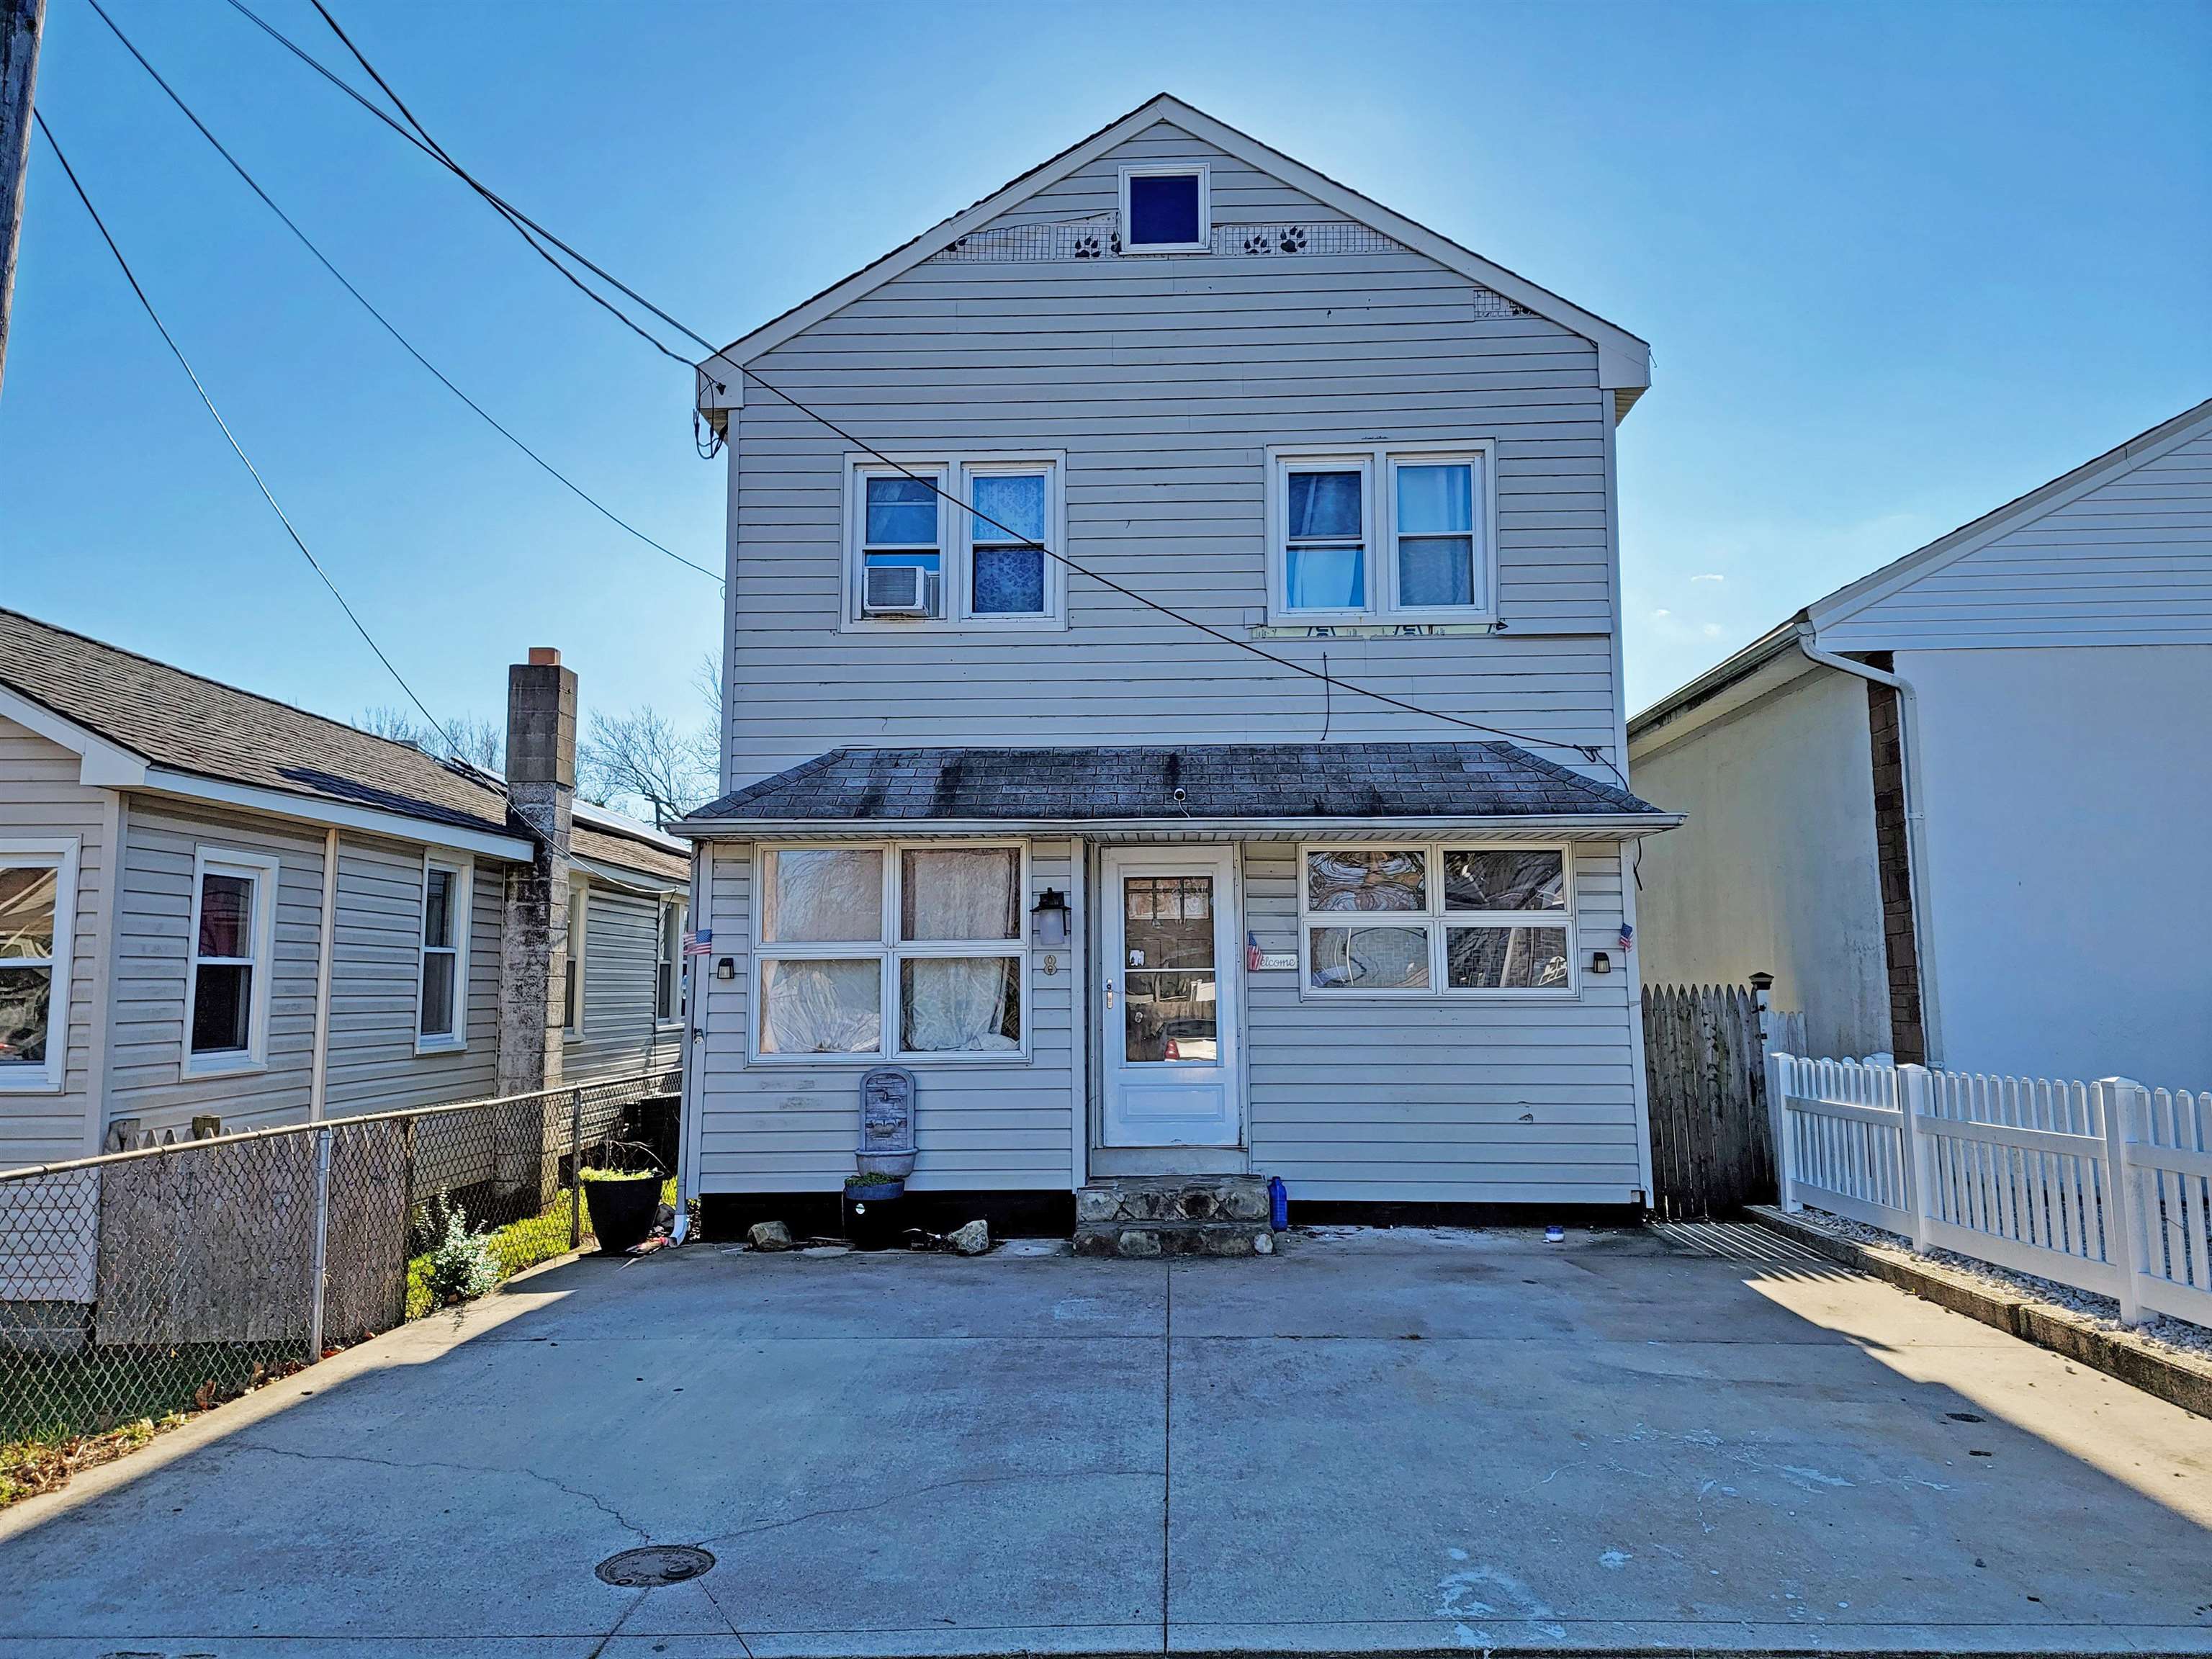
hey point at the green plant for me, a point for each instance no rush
(863, 1179)
(463, 1266)
(616, 1175)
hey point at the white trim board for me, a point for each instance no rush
(1624, 360)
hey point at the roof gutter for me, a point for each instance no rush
(1583, 826)
(1915, 838)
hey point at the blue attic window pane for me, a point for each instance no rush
(902, 513)
(1163, 209)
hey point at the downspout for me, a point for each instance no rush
(318, 1083)
(1915, 840)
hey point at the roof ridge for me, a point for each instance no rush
(208, 679)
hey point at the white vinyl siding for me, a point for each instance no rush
(987, 1121)
(41, 801)
(1164, 381)
(1442, 1099)
(2128, 561)
(620, 1035)
(147, 1074)
(376, 1061)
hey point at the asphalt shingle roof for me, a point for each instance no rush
(1218, 780)
(187, 724)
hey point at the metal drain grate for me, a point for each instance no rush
(654, 1565)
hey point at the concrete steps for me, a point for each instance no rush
(1138, 1216)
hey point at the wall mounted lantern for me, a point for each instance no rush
(1048, 919)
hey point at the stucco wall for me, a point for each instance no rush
(2068, 793)
(1774, 869)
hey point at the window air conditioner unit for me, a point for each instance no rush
(898, 590)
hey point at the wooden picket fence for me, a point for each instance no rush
(1712, 1141)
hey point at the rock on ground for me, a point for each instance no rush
(770, 1236)
(973, 1239)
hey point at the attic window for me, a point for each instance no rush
(1166, 210)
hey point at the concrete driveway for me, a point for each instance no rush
(1382, 1442)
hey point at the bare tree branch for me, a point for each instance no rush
(643, 759)
(479, 742)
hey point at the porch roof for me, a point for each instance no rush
(1182, 787)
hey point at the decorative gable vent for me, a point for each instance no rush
(1099, 238)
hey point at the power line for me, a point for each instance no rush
(383, 321)
(1592, 752)
(178, 352)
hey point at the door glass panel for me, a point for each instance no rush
(1170, 1008)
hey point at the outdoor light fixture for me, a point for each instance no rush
(725, 968)
(1601, 962)
(1048, 919)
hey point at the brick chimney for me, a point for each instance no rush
(541, 793)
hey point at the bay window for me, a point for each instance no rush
(912, 952)
(1436, 918)
(37, 925)
(1387, 535)
(227, 985)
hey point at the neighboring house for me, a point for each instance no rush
(216, 905)
(1122, 896)
(1958, 808)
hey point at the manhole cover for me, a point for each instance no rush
(654, 1565)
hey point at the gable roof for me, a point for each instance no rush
(166, 717)
(1218, 783)
(1879, 584)
(1624, 360)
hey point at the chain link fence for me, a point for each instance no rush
(148, 1282)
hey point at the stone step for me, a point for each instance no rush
(1146, 1216)
(1137, 1241)
(1174, 1198)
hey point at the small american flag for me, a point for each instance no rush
(1627, 938)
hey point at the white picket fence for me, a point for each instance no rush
(2103, 1186)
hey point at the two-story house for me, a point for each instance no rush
(1174, 706)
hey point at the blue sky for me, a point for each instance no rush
(1898, 263)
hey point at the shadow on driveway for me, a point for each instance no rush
(1377, 1442)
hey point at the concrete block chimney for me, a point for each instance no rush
(541, 794)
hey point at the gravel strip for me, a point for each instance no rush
(2174, 1336)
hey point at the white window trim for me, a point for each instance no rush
(1379, 512)
(1437, 919)
(579, 934)
(1171, 169)
(674, 905)
(951, 472)
(887, 949)
(261, 869)
(59, 854)
(462, 871)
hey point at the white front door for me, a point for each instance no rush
(1168, 986)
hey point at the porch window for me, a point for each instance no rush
(38, 901)
(227, 989)
(1436, 918)
(914, 950)
(442, 984)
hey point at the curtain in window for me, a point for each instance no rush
(820, 1007)
(823, 893)
(1324, 506)
(959, 1004)
(960, 893)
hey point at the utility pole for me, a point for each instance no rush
(22, 23)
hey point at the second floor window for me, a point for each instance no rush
(957, 541)
(1381, 535)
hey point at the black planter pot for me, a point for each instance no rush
(622, 1209)
(875, 1217)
